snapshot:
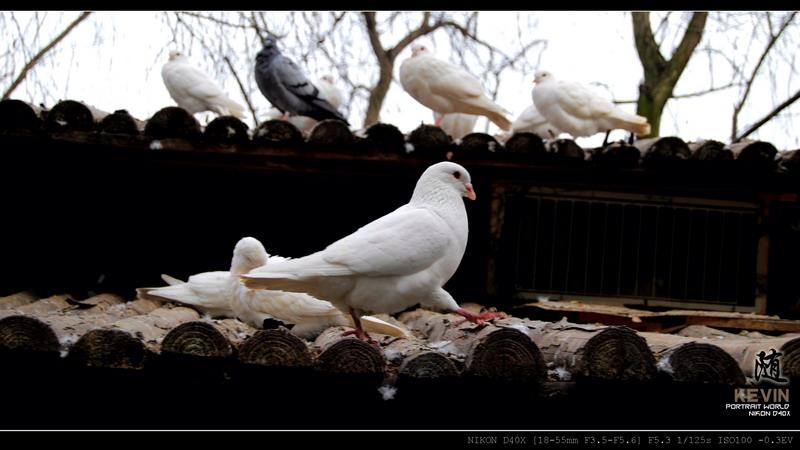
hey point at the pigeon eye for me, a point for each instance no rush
(457, 174)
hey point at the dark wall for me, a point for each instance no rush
(105, 221)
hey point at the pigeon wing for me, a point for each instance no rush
(401, 243)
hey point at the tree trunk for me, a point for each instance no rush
(661, 75)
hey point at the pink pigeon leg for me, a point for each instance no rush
(359, 331)
(491, 313)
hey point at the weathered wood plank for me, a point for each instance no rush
(14, 301)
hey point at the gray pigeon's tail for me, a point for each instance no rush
(324, 110)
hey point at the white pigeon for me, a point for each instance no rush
(457, 125)
(531, 120)
(195, 91)
(303, 123)
(447, 88)
(397, 261)
(579, 111)
(329, 91)
(222, 293)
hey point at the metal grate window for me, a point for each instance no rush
(632, 248)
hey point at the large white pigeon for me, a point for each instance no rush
(397, 261)
(457, 125)
(221, 293)
(447, 88)
(532, 121)
(579, 111)
(285, 85)
(195, 91)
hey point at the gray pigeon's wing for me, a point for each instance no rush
(303, 96)
(295, 81)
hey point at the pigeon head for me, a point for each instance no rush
(176, 54)
(542, 75)
(447, 175)
(248, 254)
(418, 49)
(269, 51)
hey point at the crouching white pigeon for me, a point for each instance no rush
(447, 88)
(579, 111)
(195, 91)
(397, 261)
(221, 293)
(532, 121)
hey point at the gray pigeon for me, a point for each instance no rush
(287, 87)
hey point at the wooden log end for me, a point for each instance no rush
(331, 132)
(277, 131)
(428, 365)
(525, 143)
(704, 363)
(710, 150)
(347, 354)
(617, 155)
(172, 122)
(197, 338)
(566, 148)
(429, 140)
(227, 130)
(16, 114)
(20, 332)
(109, 348)
(385, 137)
(69, 115)
(477, 145)
(507, 354)
(618, 353)
(119, 122)
(275, 348)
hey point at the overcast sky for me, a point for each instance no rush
(589, 47)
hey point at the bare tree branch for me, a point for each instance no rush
(214, 19)
(243, 90)
(749, 83)
(769, 116)
(42, 52)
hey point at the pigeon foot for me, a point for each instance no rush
(479, 319)
(359, 331)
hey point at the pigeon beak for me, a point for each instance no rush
(470, 192)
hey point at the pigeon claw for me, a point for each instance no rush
(363, 336)
(479, 318)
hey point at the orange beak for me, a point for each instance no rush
(470, 192)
